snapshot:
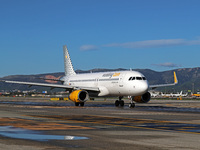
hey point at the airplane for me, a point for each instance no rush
(153, 94)
(103, 84)
(184, 95)
(196, 95)
(177, 94)
(166, 95)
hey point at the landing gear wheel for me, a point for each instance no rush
(121, 103)
(117, 103)
(77, 103)
(82, 104)
(131, 105)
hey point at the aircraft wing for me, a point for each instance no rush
(67, 87)
(163, 85)
(50, 79)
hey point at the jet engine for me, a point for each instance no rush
(145, 98)
(79, 96)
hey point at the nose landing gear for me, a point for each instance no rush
(132, 104)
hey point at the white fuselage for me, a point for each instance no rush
(121, 83)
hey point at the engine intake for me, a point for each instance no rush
(145, 98)
(79, 96)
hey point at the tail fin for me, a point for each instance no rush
(69, 70)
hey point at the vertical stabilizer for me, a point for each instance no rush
(69, 70)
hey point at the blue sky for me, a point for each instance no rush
(158, 34)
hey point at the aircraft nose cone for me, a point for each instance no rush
(143, 87)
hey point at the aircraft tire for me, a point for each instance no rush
(82, 104)
(77, 103)
(131, 105)
(121, 103)
(117, 103)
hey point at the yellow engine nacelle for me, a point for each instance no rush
(145, 98)
(79, 96)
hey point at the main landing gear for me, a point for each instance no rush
(119, 102)
(79, 103)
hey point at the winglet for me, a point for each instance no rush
(175, 78)
(163, 85)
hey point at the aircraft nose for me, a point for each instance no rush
(143, 87)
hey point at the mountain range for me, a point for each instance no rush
(189, 79)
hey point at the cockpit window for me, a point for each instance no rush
(131, 78)
(144, 78)
(137, 78)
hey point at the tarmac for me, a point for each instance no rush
(41, 124)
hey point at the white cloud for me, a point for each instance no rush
(167, 64)
(88, 47)
(154, 43)
(146, 44)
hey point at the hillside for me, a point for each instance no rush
(188, 78)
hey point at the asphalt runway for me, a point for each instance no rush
(41, 124)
